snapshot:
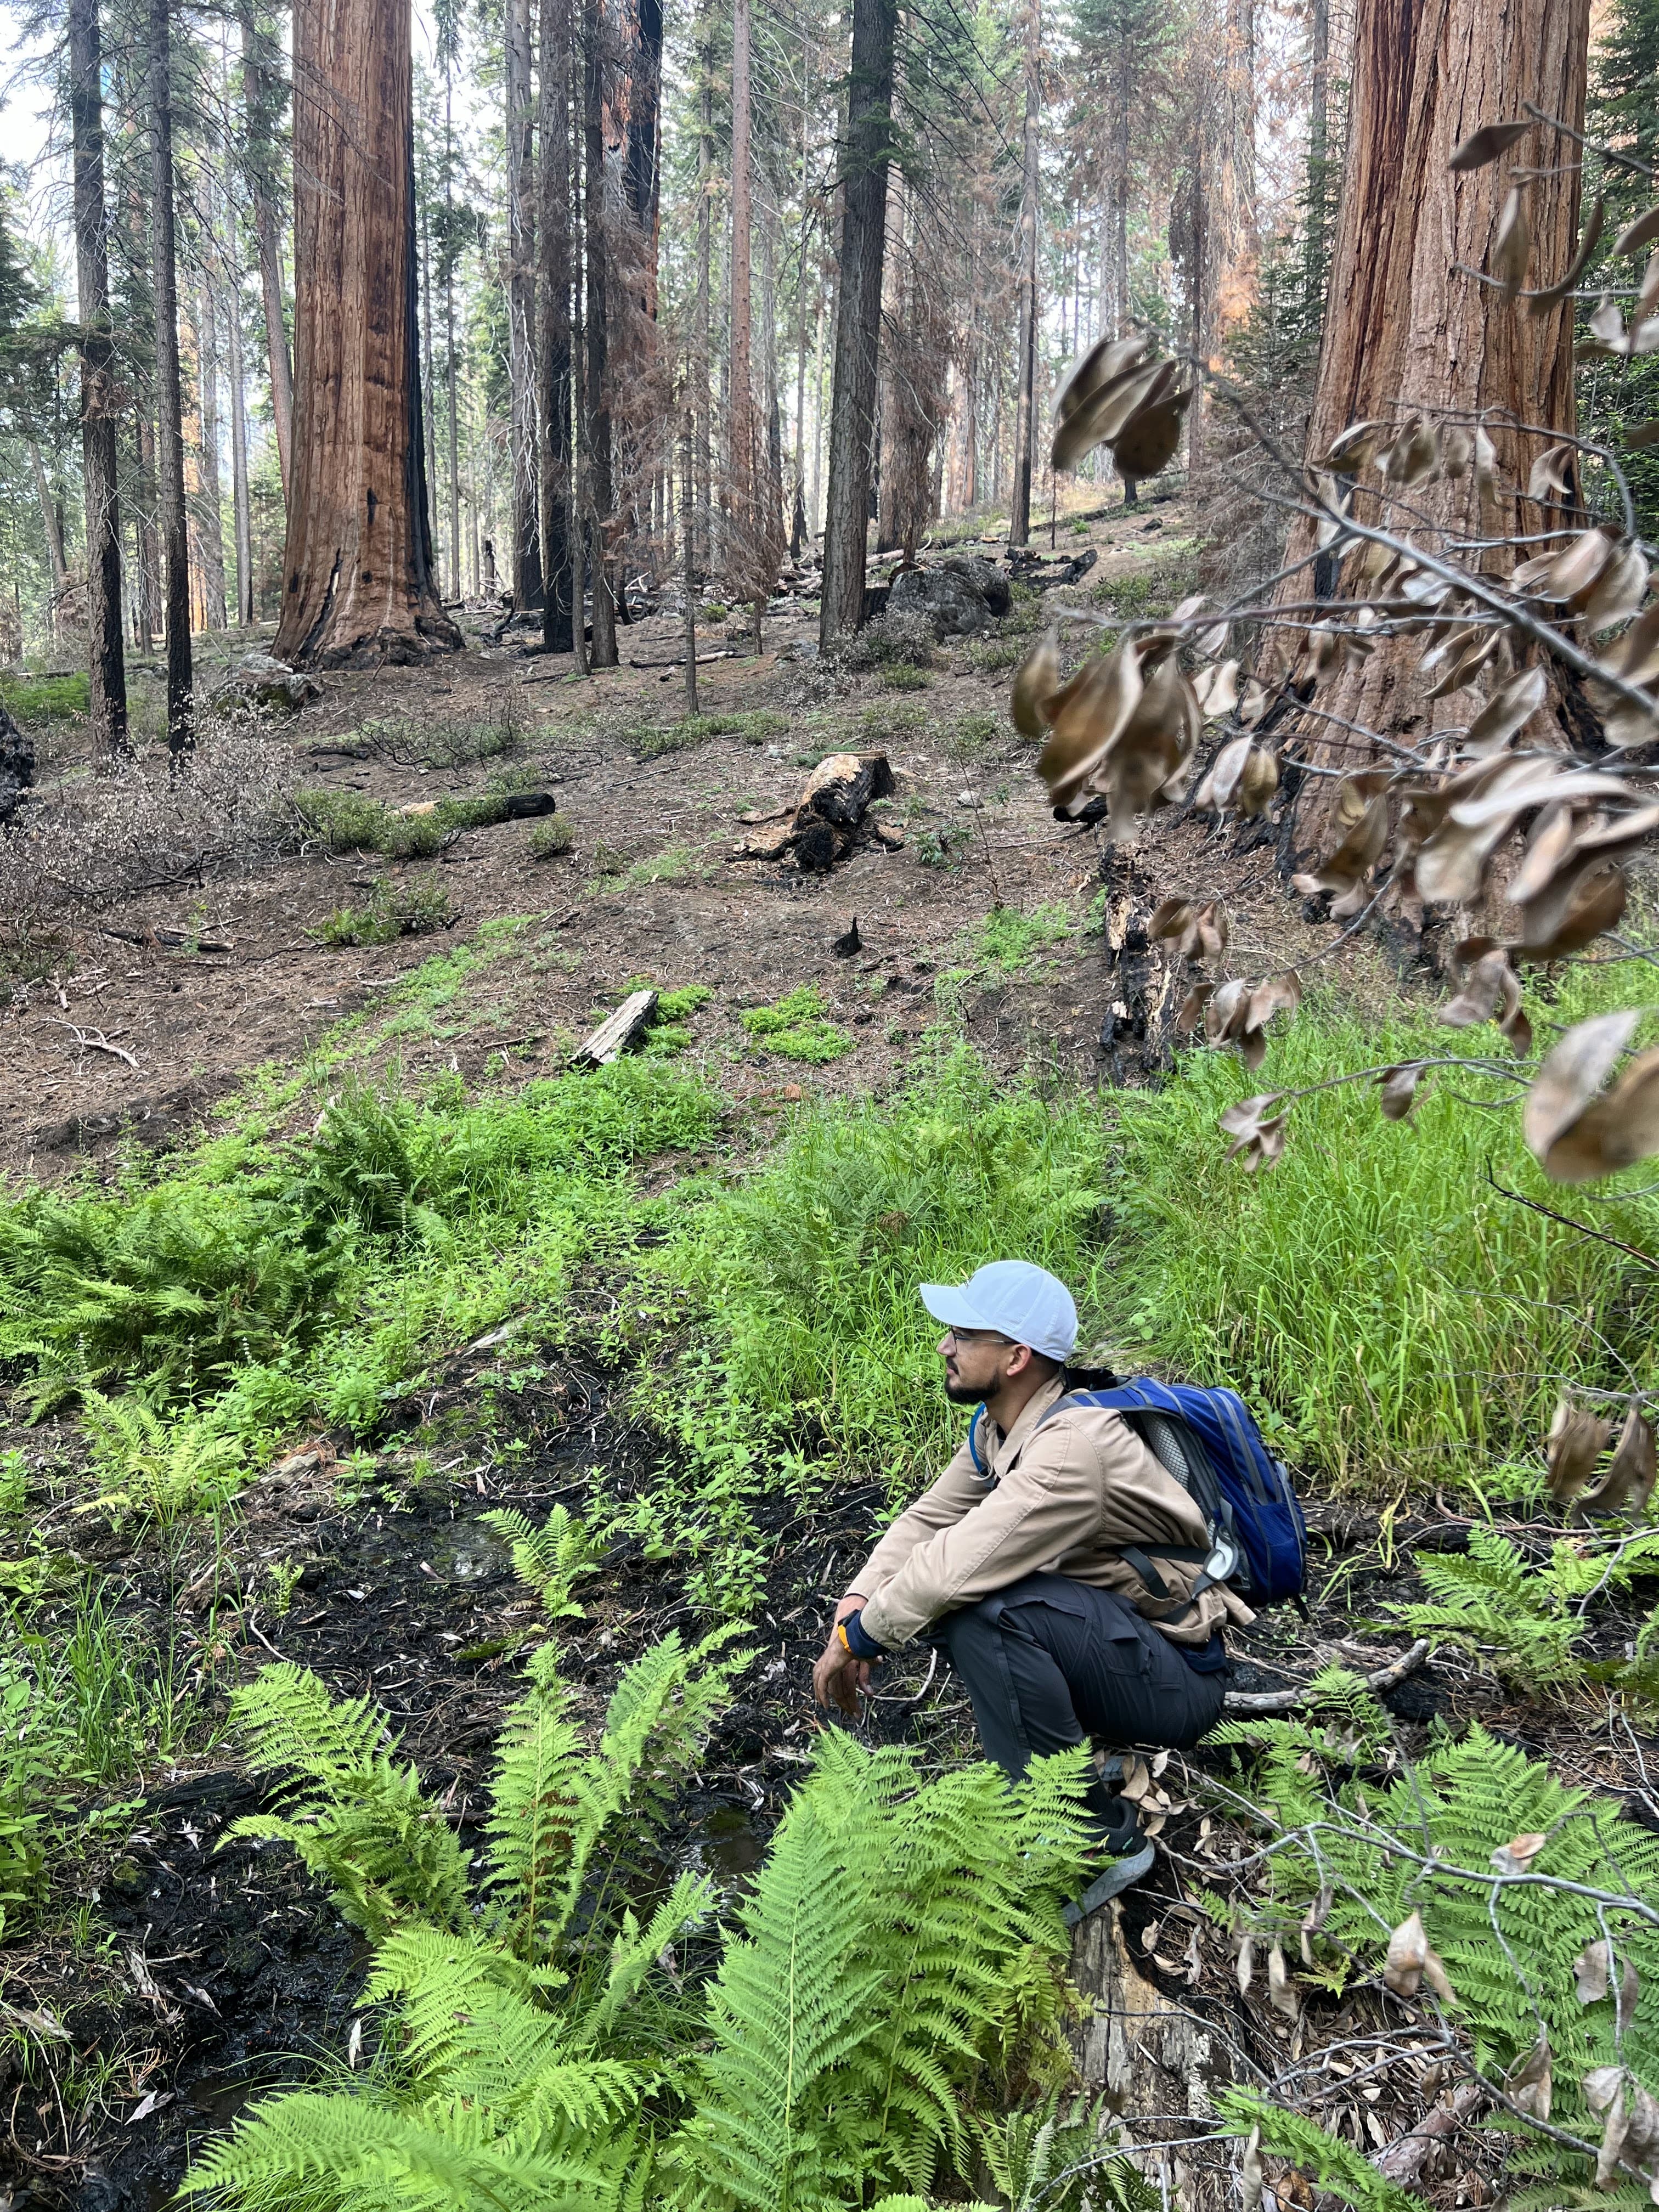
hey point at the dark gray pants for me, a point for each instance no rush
(1049, 1662)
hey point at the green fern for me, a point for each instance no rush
(550, 1560)
(1330, 2163)
(160, 1468)
(356, 1818)
(1523, 1620)
(867, 1982)
(1508, 1948)
(1044, 2160)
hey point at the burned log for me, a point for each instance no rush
(832, 815)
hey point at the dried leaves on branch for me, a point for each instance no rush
(1415, 514)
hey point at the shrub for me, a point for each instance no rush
(654, 740)
(945, 846)
(46, 698)
(900, 676)
(412, 908)
(797, 1028)
(900, 636)
(554, 834)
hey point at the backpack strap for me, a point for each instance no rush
(977, 1456)
(1129, 1400)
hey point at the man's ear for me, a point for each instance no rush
(1019, 1359)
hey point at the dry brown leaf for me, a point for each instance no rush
(1508, 711)
(1408, 1949)
(1485, 465)
(1593, 1973)
(1104, 362)
(1282, 1993)
(1511, 252)
(1251, 2179)
(1452, 862)
(1576, 1442)
(1630, 2128)
(1217, 692)
(1516, 1855)
(1362, 813)
(1547, 783)
(1354, 448)
(1596, 905)
(1540, 303)
(1035, 684)
(1575, 571)
(1258, 783)
(1087, 717)
(1192, 1008)
(1606, 324)
(1548, 480)
(1628, 1482)
(1528, 2083)
(1151, 747)
(1635, 235)
(1486, 144)
(1576, 1135)
(1150, 438)
(1491, 992)
(1246, 1965)
(1220, 785)
(1435, 1974)
(1400, 1088)
(1279, 994)
(1456, 451)
(1547, 898)
(1258, 1140)
(1226, 1015)
(1619, 589)
(1415, 456)
(1104, 412)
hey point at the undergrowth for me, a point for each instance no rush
(1381, 1301)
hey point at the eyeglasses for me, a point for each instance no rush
(975, 1336)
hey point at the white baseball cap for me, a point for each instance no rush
(1026, 1304)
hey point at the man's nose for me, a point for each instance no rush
(945, 1345)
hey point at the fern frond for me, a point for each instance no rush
(550, 1560)
(1330, 2163)
(636, 1951)
(357, 1820)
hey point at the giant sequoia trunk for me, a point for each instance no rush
(1403, 327)
(358, 586)
(108, 697)
(1019, 515)
(521, 307)
(858, 314)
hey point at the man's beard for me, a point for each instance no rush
(962, 1393)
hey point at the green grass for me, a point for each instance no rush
(1389, 1313)
(798, 1028)
(551, 836)
(1008, 941)
(813, 1356)
(902, 675)
(46, 698)
(652, 741)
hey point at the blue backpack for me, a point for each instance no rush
(1209, 1442)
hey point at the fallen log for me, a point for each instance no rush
(831, 815)
(1285, 1701)
(615, 1034)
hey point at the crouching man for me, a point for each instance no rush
(1055, 1560)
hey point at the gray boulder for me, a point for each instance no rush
(952, 602)
(986, 579)
(259, 679)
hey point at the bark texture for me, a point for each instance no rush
(521, 306)
(169, 396)
(106, 650)
(858, 314)
(358, 582)
(260, 99)
(553, 300)
(1019, 512)
(1403, 328)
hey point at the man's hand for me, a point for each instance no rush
(838, 1677)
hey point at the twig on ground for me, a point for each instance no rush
(1284, 1701)
(92, 1040)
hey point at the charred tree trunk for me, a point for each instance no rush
(1020, 511)
(553, 299)
(521, 307)
(169, 397)
(261, 98)
(600, 464)
(358, 586)
(858, 314)
(241, 510)
(703, 363)
(1403, 329)
(108, 656)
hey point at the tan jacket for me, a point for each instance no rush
(1060, 1498)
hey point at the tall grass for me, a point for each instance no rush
(811, 1340)
(1390, 1313)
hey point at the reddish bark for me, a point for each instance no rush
(359, 586)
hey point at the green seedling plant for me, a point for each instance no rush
(798, 1028)
(550, 837)
(413, 908)
(551, 1560)
(158, 1469)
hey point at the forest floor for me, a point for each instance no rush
(160, 1984)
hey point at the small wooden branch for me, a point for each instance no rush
(615, 1034)
(1286, 1701)
(94, 1041)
